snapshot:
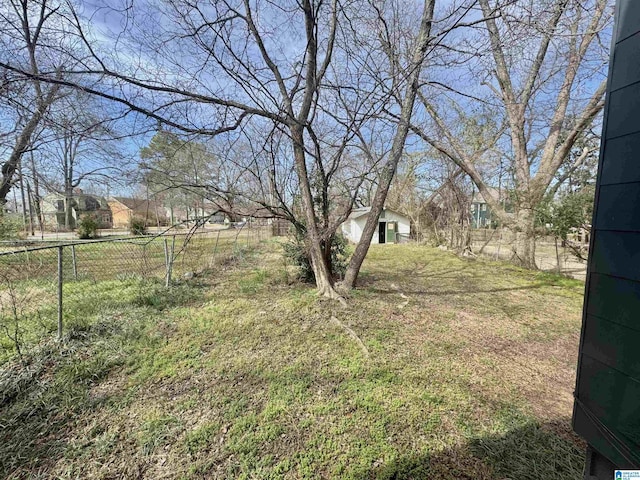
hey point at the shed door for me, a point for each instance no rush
(391, 232)
(382, 228)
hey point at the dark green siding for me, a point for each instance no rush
(607, 407)
(480, 218)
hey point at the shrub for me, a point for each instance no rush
(296, 252)
(138, 226)
(10, 226)
(88, 227)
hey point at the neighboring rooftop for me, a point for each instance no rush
(136, 203)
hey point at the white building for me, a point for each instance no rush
(393, 227)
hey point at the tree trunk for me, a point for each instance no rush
(324, 279)
(36, 195)
(29, 197)
(326, 248)
(69, 224)
(397, 148)
(525, 242)
(322, 271)
(12, 164)
(558, 263)
(22, 144)
(23, 198)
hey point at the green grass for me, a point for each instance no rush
(106, 260)
(242, 375)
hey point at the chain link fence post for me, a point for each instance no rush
(235, 241)
(215, 249)
(60, 280)
(170, 262)
(145, 267)
(166, 257)
(73, 260)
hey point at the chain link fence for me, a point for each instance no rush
(39, 282)
(552, 254)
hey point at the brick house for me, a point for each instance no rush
(124, 208)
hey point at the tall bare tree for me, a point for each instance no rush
(407, 100)
(28, 31)
(545, 68)
(243, 71)
(77, 144)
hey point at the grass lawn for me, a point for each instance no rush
(468, 373)
(109, 257)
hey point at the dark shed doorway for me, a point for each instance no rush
(382, 232)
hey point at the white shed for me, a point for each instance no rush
(393, 227)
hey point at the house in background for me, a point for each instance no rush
(177, 214)
(480, 212)
(393, 227)
(124, 208)
(481, 215)
(54, 212)
(219, 218)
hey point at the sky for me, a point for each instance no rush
(126, 33)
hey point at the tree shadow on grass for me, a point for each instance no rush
(468, 291)
(529, 452)
(368, 278)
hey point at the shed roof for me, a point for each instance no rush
(363, 211)
(359, 212)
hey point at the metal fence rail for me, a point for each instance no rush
(33, 277)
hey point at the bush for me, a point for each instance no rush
(10, 226)
(88, 227)
(296, 252)
(138, 226)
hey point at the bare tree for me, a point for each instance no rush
(241, 72)
(406, 100)
(27, 30)
(79, 143)
(545, 69)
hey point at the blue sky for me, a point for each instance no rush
(125, 33)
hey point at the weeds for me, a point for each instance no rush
(201, 438)
(156, 295)
(11, 313)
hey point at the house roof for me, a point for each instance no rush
(478, 198)
(137, 204)
(79, 200)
